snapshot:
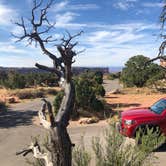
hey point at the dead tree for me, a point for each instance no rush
(60, 146)
(161, 55)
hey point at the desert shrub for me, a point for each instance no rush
(42, 79)
(14, 80)
(57, 101)
(137, 73)
(98, 77)
(156, 81)
(89, 89)
(117, 153)
(81, 157)
(29, 94)
(97, 105)
(100, 91)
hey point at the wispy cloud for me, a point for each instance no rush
(152, 5)
(9, 48)
(65, 5)
(124, 4)
(6, 14)
(65, 18)
(99, 35)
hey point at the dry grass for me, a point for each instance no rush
(27, 93)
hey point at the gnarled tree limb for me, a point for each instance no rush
(60, 145)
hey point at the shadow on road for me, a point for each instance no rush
(111, 97)
(12, 118)
(161, 148)
(115, 105)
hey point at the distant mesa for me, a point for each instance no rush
(76, 70)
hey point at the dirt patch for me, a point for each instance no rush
(122, 102)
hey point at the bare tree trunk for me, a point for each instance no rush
(60, 140)
(59, 146)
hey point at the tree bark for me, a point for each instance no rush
(61, 146)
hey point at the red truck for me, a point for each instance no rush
(154, 116)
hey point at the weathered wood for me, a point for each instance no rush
(60, 146)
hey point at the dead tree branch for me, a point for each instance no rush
(60, 144)
(161, 55)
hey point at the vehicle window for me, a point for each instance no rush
(159, 106)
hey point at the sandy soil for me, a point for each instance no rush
(123, 102)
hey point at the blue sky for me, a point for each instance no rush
(114, 31)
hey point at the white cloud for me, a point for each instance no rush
(116, 44)
(6, 14)
(124, 4)
(62, 19)
(151, 5)
(97, 36)
(65, 5)
(60, 6)
(9, 48)
(83, 7)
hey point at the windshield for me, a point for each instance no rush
(159, 106)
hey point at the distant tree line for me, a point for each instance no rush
(16, 80)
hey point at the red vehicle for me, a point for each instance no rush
(154, 116)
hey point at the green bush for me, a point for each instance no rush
(81, 157)
(100, 91)
(137, 73)
(57, 101)
(88, 91)
(15, 80)
(117, 152)
(29, 94)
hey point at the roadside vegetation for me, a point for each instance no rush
(141, 76)
(115, 151)
(89, 94)
(15, 80)
(139, 73)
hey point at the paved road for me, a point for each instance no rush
(111, 85)
(16, 129)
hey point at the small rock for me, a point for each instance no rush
(88, 120)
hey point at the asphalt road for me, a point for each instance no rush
(17, 128)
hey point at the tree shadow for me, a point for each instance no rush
(161, 148)
(12, 118)
(116, 105)
(111, 97)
